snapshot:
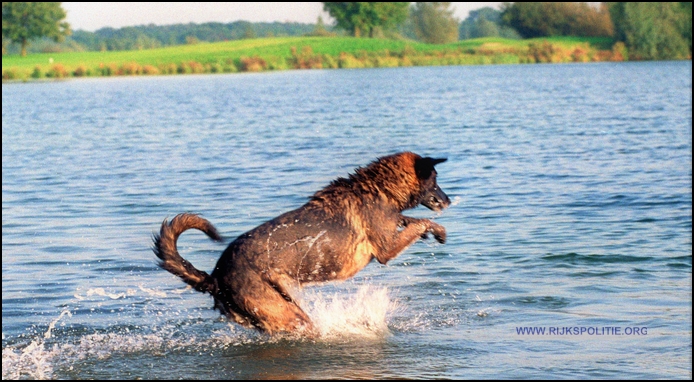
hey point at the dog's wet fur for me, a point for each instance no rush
(331, 237)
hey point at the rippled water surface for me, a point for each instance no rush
(572, 213)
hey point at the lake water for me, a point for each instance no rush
(572, 215)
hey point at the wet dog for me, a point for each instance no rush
(331, 237)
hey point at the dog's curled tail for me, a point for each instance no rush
(165, 249)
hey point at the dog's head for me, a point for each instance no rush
(404, 180)
(432, 196)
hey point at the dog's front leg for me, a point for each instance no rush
(437, 229)
(413, 230)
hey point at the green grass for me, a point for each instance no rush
(212, 52)
(283, 53)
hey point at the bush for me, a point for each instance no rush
(279, 63)
(407, 51)
(215, 68)
(387, 62)
(603, 55)
(505, 58)
(196, 67)
(405, 61)
(253, 64)
(130, 69)
(150, 70)
(81, 71)
(37, 73)
(619, 52)
(10, 74)
(108, 69)
(57, 71)
(580, 54)
(184, 68)
(547, 52)
(330, 62)
(347, 61)
(306, 59)
(168, 68)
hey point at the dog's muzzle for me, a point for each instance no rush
(436, 199)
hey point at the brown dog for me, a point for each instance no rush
(332, 237)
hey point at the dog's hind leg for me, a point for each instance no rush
(269, 306)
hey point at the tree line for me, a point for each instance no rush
(155, 36)
(648, 30)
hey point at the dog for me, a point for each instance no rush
(331, 237)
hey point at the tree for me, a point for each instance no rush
(653, 31)
(434, 22)
(248, 31)
(685, 23)
(22, 22)
(320, 28)
(367, 19)
(533, 19)
(485, 22)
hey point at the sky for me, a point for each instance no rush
(93, 16)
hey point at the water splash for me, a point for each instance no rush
(51, 326)
(34, 360)
(355, 313)
(362, 313)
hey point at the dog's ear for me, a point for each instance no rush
(424, 166)
(435, 161)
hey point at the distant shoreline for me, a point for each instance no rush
(283, 53)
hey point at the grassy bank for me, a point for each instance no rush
(306, 53)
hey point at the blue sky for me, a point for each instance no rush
(92, 16)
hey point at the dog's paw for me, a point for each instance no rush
(438, 231)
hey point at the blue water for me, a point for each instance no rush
(572, 210)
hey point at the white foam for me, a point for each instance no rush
(102, 292)
(152, 292)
